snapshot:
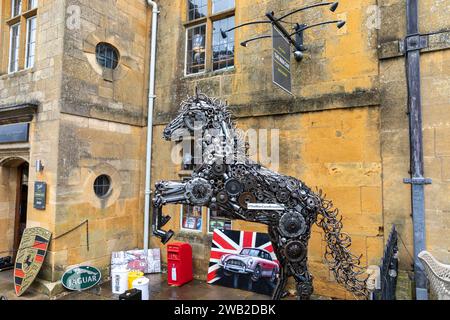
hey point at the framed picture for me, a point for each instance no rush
(243, 260)
(135, 260)
(191, 218)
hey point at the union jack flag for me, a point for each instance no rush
(232, 242)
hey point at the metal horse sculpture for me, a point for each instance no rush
(234, 186)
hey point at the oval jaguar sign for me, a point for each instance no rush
(81, 278)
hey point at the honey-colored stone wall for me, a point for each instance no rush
(101, 131)
(433, 16)
(40, 85)
(329, 129)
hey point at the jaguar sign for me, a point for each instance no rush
(81, 278)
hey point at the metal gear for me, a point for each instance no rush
(246, 198)
(234, 187)
(292, 224)
(295, 251)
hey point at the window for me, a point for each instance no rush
(32, 4)
(223, 49)
(16, 8)
(107, 55)
(197, 9)
(222, 5)
(206, 49)
(188, 153)
(196, 49)
(102, 186)
(31, 42)
(218, 223)
(14, 48)
(22, 28)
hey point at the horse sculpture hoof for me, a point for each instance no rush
(166, 238)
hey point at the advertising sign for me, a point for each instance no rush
(243, 260)
(30, 257)
(81, 278)
(40, 195)
(281, 61)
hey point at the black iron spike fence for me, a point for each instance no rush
(389, 269)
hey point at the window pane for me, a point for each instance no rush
(218, 223)
(14, 48)
(31, 42)
(222, 5)
(195, 55)
(223, 49)
(197, 9)
(102, 185)
(16, 7)
(32, 4)
(107, 56)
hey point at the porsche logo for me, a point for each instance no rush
(30, 257)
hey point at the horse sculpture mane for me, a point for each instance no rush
(234, 186)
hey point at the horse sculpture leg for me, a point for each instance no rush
(167, 192)
(304, 282)
(279, 291)
(292, 256)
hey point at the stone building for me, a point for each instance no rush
(75, 78)
(73, 101)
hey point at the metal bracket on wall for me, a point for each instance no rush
(418, 181)
(413, 42)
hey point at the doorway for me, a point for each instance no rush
(13, 205)
(21, 204)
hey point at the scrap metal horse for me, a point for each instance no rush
(234, 186)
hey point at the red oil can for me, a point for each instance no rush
(179, 264)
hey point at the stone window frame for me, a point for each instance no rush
(29, 9)
(208, 20)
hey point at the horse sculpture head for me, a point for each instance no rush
(198, 113)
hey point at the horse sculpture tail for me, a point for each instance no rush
(344, 265)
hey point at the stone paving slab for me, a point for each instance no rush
(7, 289)
(159, 290)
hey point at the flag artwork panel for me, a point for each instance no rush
(243, 260)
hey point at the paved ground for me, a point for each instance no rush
(7, 289)
(159, 290)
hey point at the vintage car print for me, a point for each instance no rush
(257, 263)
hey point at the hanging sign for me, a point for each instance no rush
(40, 195)
(281, 69)
(81, 278)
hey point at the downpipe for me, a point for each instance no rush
(151, 103)
(417, 181)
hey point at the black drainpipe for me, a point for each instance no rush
(414, 42)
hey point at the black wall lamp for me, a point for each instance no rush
(297, 38)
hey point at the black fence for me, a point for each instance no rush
(389, 269)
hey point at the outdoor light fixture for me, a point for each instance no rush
(297, 41)
(39, 166)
